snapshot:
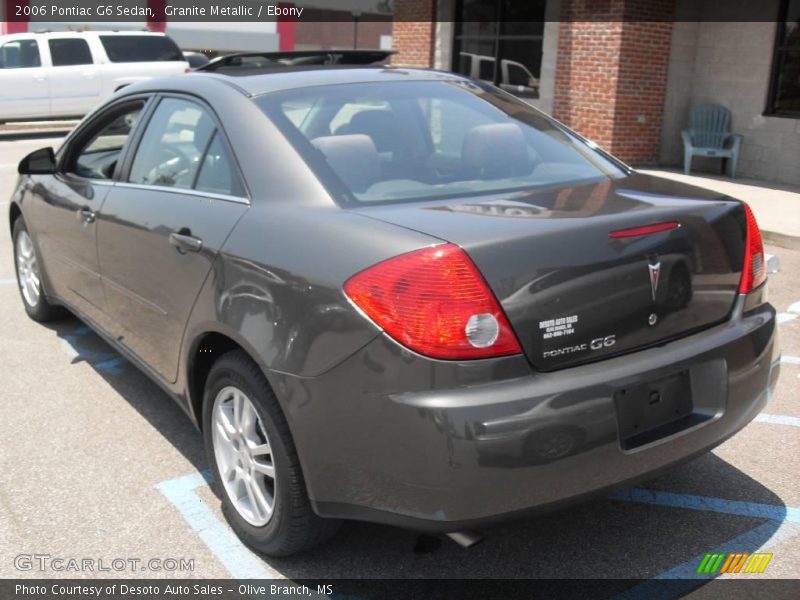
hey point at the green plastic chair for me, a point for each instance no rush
(709, 134)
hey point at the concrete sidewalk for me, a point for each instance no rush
(776, 206)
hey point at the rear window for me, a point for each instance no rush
(66, 52)
(423, 140)
(140, 48)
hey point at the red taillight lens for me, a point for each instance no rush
(754, 271)
(435, 302)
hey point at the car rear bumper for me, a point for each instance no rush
(392, 437)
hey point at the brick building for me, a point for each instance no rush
(625, 73)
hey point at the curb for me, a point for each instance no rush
(782, 240)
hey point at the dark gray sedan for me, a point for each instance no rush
(397, 295)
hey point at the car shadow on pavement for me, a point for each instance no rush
(608, 537)
(81, 344)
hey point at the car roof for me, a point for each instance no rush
(288, 78)
(61, 34)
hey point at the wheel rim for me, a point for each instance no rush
(28, 269)
(244, 456)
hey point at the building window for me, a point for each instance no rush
(784, 93)
(500, 41)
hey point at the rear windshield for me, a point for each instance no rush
(140, 48)
(422, 140)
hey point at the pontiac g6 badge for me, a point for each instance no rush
(655, 273)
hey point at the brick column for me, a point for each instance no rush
(413, 32)
(611, 73)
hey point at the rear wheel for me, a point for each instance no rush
(254, 462)
(29, 277)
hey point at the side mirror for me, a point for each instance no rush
(38, 162)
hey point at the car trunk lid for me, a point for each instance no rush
(575, 277)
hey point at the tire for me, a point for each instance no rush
(292, 526)
(33, 296)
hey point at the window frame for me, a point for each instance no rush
(123, 172)
(779, 48)
(496, 38)
(82, 40)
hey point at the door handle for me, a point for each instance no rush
(185, 242)
(87, 215)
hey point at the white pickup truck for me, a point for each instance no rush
(65, 74)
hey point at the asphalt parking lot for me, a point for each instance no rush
(98, 463)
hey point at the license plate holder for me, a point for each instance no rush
(649, 411)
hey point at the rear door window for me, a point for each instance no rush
(173, 145)
(69, 51)
(140, 48)
(20, 54)
(218, 174)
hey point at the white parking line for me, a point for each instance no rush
(790, 360)
(786, 317)
(778, 420)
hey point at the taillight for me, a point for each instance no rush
(754, 271)
(435, 302)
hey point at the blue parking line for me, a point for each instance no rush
(684, 577)
(778, 420)
(756, 510)
(783, 524)
(239, 561)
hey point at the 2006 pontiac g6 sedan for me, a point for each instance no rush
(397, 295)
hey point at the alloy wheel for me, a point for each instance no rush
(244, 456)
(28, 269)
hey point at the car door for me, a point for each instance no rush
(162, 227)
(24, 86)
(75, 82)
(67, 204)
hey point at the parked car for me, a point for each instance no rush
(66, 74)
(514, 77)
(382, 294)
(195, 59)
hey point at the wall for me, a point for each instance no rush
(611, 73)
(414, 32)
(729, 63)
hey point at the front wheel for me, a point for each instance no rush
(29, 277)
(254, 462)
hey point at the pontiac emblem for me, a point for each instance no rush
(655, 273)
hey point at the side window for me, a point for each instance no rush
(217, 173)
(98, 156)
(172, 145)
(19, 54)
(69, 51)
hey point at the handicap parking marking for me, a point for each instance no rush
(239, 561)
(778, 420)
